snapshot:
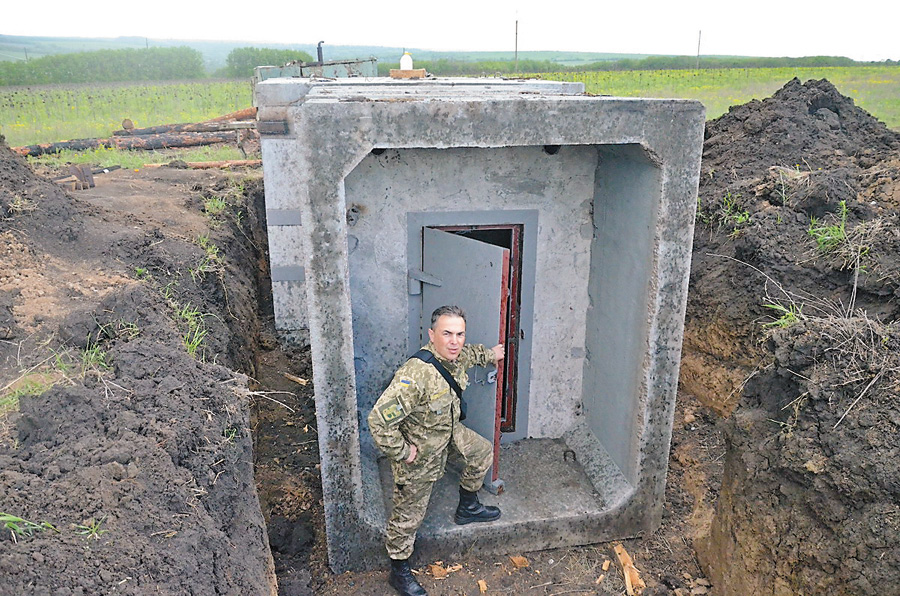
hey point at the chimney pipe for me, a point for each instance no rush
(319, 52)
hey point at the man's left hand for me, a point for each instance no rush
(498, 351)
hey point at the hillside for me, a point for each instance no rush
(214, 52)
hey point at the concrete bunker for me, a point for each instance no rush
(562, 223)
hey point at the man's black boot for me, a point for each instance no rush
(470, 509)
(402, 579)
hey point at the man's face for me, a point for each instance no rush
(448, 336)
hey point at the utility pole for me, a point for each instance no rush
(699, 33)
(517, 46)
(26, 54)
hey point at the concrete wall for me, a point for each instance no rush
(385, 188)
(615, 211)
(622, 260)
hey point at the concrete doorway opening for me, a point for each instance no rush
(480, 266)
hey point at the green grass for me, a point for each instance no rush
(214, 206)
(876, 89)
(93, 359)
(195, 332)
(135, 160)
(34, 383)
(22, 527)
(91, 529)
(787, 315)
(211, 262)
(829, 237)
(50, 113)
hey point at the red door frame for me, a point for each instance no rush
(510, 332)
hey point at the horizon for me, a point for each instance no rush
(326, 46)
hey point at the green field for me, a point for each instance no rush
(876, 89)
(55, 113)
(51, 113)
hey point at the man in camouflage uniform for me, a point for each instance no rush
(416, 424)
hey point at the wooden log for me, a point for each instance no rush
(50, 148)
(189, 127)
(208, 165)
(245, 114)
(162, 141)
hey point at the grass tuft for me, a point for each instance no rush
(91, 529)
(829, 237)
(20, 528)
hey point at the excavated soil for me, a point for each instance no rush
(147, 469)
(131, 459)
(798, 338)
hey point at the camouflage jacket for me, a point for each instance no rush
(419, 408)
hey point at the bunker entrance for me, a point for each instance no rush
(375, 184)
(480, 267)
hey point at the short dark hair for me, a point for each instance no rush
(447, 311)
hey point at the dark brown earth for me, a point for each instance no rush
(810, 499)
(139, 456)
(156, 449)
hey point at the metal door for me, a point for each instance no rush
(474, 276)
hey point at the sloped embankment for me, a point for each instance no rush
(130, 447)
(795, 291)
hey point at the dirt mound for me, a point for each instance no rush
(795, 282)
(126, 460)
(769, 167)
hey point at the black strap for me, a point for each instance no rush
(426, 356)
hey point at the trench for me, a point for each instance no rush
(283, 424)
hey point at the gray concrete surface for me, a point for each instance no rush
(608, 220)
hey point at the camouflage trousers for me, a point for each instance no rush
(411, 499)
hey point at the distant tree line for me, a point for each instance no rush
(102, 66)
(180, 63)
(241, 61)
(447, 67)
(689, 62)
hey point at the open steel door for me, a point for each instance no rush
(475, 276)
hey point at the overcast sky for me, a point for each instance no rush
(861, 29)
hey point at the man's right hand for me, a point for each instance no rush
(412, 454)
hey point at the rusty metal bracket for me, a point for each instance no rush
(272, 127)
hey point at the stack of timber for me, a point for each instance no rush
(224, 129)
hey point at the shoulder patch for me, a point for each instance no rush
(406, 381)
(391, 410)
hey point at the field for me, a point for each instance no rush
(55, 113)
(159, 436)
(51, 113)
(875, 89)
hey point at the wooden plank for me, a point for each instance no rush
(633, 582)
(416, 73)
